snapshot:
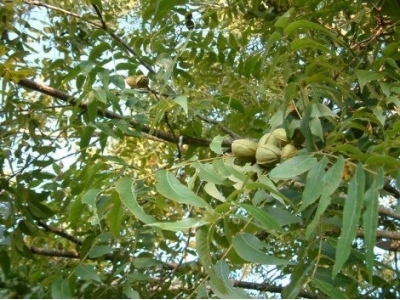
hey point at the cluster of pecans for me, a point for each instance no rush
(140, 81)
(273, 147)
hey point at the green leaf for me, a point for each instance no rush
(308, 25)
(249, 247)
(267, 221)
(182, 101)
(180, 225)
(90, 197)
(222, 286)
(98, 50)
(297, 280)
(203, 246)
(87, 273)
(351, 216)
(330, 182)
(99, 250)
(305, 128)
(293, 167)
(115, 218)
(60, 289)
(212, 190)
(207, 173)
(328, 289)
(333, 176)
(309, 43)
(390, 163)
(170, 187)
(314, 187)
(127, 194)
(370, 219)
(216, 144)
(365, 76)
(129, 292)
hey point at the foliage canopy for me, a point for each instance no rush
(112, 191)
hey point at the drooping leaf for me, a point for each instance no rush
(203, 246)
(87, 273)
(222, 286)
(207, 173)
(370, 219)
(250, 248)
(60, 289)
(314, 187)
(182, 101)
(99, 250)
(180, 225)
(293, 167)
(351, 216)
(328, 289)
(170, 187)
(213, 191)
(267, 221)
(127, 194)
(216, 144)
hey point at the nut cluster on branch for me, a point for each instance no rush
(270, 149)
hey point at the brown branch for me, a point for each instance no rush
(98, 12)
(167, 137)
(60, 232)
(55, 252)
(223, 128)
(393, 235)
(75, 255)
(266, 287)
(391, 189)
(388, 212)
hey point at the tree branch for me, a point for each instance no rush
(167, 137)
(60, 232)
(75, 255)
(270, 288)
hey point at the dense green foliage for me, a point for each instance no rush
(108, 191)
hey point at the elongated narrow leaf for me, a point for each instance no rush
(170, 187)
(322, 205)
(297, 280)
(314, 187)
(90, 197)
(222, 286)
(333, 176)
(328, 289)
(216, 144)
(60, 289)
(370, 219)
(351, 216)
(87, 273)
(365, 76)
(249, 247)
(308, 25)
(293, 167)
(127, 194)
(114, 218)
(203, 246)
(180, 225)
(212, 190)
(182, 101)
(207, 173)
(99, 250)
(267, 221)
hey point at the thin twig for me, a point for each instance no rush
(60, 232)
(223, 128)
